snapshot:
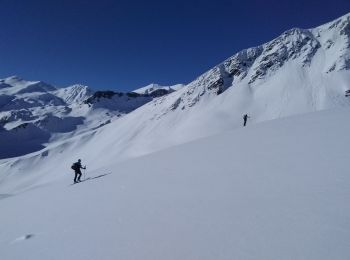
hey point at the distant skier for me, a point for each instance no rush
(76, 167)
(245, 118)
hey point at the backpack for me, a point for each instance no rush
(74, 166)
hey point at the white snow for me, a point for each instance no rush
(152, 87)
(277, 190)
(74, 94)
(16, 85)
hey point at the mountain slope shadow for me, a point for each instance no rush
(26, 138)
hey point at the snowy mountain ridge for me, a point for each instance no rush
(74, 94)
(17, 85)
(325, 49)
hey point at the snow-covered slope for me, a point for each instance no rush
(276, 190)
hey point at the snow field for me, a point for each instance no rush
(277, 190)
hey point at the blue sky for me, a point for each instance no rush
(123, 45)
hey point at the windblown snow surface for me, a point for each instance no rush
(275, 190)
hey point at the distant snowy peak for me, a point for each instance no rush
(74, 94)
(301, 45)
(16, 85)
(15, 80)
(157, 90)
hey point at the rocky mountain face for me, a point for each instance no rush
(324, 50)
(117, 101)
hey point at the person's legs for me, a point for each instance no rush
(75, 176)
(79, 175)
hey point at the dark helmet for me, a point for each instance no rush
(79, 160)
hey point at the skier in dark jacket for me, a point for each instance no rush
(245, 118)
(76, 167)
